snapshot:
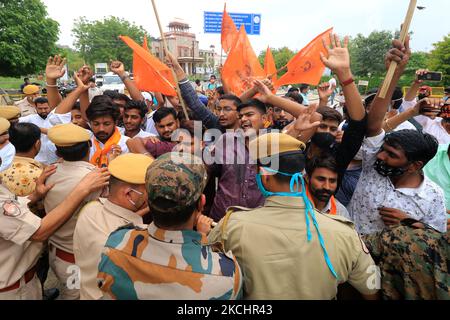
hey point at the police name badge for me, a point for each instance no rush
(11, 208)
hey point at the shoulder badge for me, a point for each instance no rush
(363, 245)
(11, 208)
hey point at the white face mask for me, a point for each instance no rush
(7, 154)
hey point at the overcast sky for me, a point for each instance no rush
(291, 23)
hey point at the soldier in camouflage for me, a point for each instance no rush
(413, 259)
(169, 260)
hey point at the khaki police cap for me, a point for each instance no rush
(271, 144)
(31, 89)
(9, 112)
(4, 125)
(130, 167)
(67, 135)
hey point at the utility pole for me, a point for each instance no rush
(193, 57)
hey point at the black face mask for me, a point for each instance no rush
(323, 140)
(388, 171)
(280, 124)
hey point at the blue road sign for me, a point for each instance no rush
(251, 21)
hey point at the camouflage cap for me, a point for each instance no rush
(180, 178)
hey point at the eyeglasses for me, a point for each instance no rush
(225, 109)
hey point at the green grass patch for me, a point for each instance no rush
(14, 83)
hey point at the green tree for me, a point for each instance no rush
(98, 41)
(281, 57)
(367, 53)
(27, 37)
(440, 59)
(74, 59)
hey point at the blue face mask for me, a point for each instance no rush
(296, 182)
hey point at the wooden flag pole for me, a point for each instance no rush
(403, 34)
(166, 50)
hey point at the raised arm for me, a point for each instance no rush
(209, 119)
(84, 74)
(415, 86)
(118, 68)
(338, 61)
(53, 71)
(67, 104)
(400, 53)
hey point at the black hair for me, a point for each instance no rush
(416, 145)
(92, 80)
(40, 100)
(170, 219)
(112, 94)
(289, 162)
(371, 94)
(197, 81)
(102, 106)
(76, 152)
(23, 136)
(220, 90)
(213, 76)
(253, 103)
(137, 104)
(163, 112)
(330, 114)
(236, 100)
(447, 90)
(324, 161)
(293, 89)
(295, 95)
(398, 97)
(303, 87)
(77, 106)
(123, 97)
(25, 79)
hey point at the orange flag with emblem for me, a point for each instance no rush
(269, 65)
(229, 31)
(306, 66)
(150, 74)
(242, 65)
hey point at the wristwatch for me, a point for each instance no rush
(125, 76)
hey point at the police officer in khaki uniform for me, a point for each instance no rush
(72, 145)
(286, 249)
(27, 105)
(10, 113)
(22, 233)
(126, 204)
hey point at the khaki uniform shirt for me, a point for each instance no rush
(95, 223)
(17, 225)
(25, 107)
(270, 244)
(67, 176)
(20, 178)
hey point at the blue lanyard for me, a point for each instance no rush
(309, 211)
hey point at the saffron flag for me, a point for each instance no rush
(229, 31)
(150, 74)
(242, 66)
(306, 66)
(269, 65)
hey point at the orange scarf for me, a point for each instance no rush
(100, 158)
(333, 209)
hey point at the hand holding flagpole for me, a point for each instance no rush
(403, 34)
(166, 49)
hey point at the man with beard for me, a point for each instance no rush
(322, 178)
(281, 118)
(27, 105)
(133, 118)
(392, 186)
(126, 204)
(107, 142)
(166, 122)
(46, 154)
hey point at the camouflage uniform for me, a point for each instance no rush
(152, 263)
(413, 262)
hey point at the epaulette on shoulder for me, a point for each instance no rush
(339, 219)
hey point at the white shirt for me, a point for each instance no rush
(122, 144)
(430, 126)
(93, 92)
(425, 203)
(141, 134)
(150, 125)
(46, 155)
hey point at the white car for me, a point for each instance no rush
(113, 82)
